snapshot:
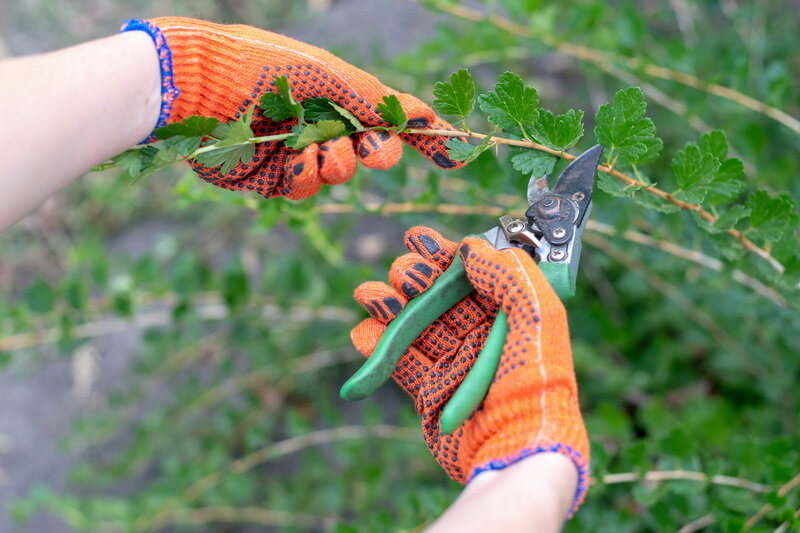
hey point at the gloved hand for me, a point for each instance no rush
(532, 405)
(217, 70)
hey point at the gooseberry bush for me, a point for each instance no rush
(684, 327)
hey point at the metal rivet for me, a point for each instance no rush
(578, 196)
(559, 233)
(515, 226)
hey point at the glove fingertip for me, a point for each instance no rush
(301, 174)
(366, 334)
(380, 300)
(411, 274)
(379, 149)
(337, 161)
(430, 244)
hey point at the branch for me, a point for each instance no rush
(683, 475)
(664, 195)
(756, 518)
(252, 515)
(699, 316)
(701, 523)
(275, 450)
(593, 225)
(600, 58)
(214, 310)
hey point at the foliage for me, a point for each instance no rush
(684, 327)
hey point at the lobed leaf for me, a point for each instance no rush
(233, 147)
(560, 132)
(694, 170)
(511, 106)
(617, 188)
(392, 112)
(281, 105)
(318, 109)
(463, 151)
(534, 164)
(320, 132)
(456, 96)
(187, 135)
(623, 128)
(771, 218)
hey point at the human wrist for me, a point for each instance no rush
(535, 494)
(165, 90)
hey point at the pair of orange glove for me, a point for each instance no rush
(532, 407)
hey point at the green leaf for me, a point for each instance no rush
(770, 217)
(139, 162)
(623, 128)
(533, 163)
(233, 147)
(693, 171)
(654, 203)
(186, 136)
(318, 109)
(130, 160)
(462, 151)
(235, 285)
(560, 132)
(40, 297)
(392, 112)
(729, 179)
(654, 146)
(731, 217)
(616, 187)
(511, 106)
(715, 143)
(194, 126)
(458, 149)
(281, 105)
(320, 132)
(456, 96)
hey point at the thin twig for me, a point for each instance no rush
(162, 317)
(699, 316)
(756, 518)
(785, 526)
(683, 475)
(664, 195)
(701, 523)
(244, 515)
(598, 57)
(694, 256)
(593, 225)
(274, 451)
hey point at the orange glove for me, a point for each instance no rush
(217, 70)
(532, 405)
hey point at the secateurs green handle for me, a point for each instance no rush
(551, 234)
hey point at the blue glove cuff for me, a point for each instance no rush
(169, 92)
(576, 458)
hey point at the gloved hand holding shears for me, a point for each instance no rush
(477, 335)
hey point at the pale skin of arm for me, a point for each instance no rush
(75, 108)
(70, 110)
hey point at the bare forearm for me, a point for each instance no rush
(66, 111)
(532, 495)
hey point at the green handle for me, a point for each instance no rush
(476, 384)
(448, 289)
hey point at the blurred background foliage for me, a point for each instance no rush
(235, 312)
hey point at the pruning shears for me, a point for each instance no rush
(550, 233)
